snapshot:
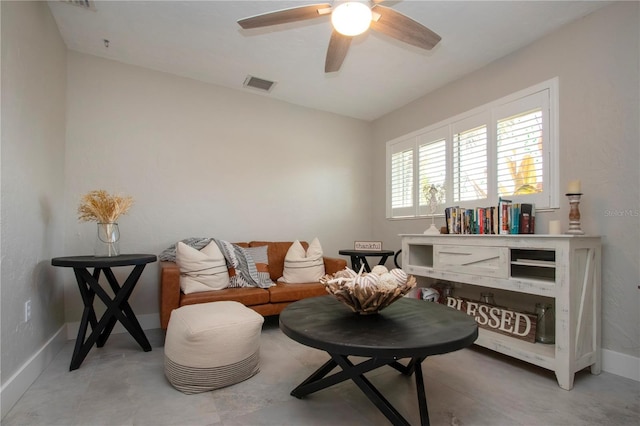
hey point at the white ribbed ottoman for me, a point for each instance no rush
(211, 345)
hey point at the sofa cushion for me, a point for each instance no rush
(248, 296)
(284, 292)
(276, 251)
(303, 266)
(201, 270)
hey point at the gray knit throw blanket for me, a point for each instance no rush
(235, 256)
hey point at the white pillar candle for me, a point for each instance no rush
(554, 227)
(574, 187)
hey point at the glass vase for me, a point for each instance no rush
(546, 325)
(108, 240)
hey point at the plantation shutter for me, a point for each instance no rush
(520, 154)
(470, 159)
(432, 168)
(401, 191)
(508, 148)
(521, 139)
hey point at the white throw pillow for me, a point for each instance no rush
(201, 270)
(301, 266)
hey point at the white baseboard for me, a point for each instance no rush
(621, 364)
(147, 322)
(19, 382)
(17, 385)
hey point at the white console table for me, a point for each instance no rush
(563, 267)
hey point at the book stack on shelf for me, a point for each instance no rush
(505, 218)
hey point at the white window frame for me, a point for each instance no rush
(544, 94)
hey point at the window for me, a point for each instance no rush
(507, 149)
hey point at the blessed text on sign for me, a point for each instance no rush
(495, 318)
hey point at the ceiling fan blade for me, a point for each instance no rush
(338, 48)
(284, 16)
(401, 27)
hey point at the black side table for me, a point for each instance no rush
(118, 308)
(359, 257)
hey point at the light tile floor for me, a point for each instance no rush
(120, 384)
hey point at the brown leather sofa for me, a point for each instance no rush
(266, 302)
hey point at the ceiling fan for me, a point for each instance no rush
(350, 18)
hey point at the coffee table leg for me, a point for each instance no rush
(422, 397)
(408, 369)
(319, 380)
(371, 392)
(300, 390)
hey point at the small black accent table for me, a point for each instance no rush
(118, 308)
(408, 328)
(359, 257)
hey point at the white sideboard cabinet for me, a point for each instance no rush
(563, 267)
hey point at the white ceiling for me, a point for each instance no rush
(201, 40)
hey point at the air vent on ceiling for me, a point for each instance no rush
(85, 4)
(258, 83)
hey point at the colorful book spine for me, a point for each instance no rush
(515, 219)
(504, 216)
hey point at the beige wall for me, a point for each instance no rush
(202, 160)
(32, 170)
(597, 62)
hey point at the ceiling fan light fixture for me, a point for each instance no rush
(351, 18)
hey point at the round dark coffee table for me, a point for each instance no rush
(409, 328)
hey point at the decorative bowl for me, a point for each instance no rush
(362, 297)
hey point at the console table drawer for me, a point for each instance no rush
(475, 260)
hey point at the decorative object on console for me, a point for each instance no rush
(302, 266)
(546, 323)
(574, 214)
(105, 209)
(519, 325)
(368, 293)
(434, 197)
(554, 227)
(574, 187)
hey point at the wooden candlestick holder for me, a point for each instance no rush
(574, 214)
